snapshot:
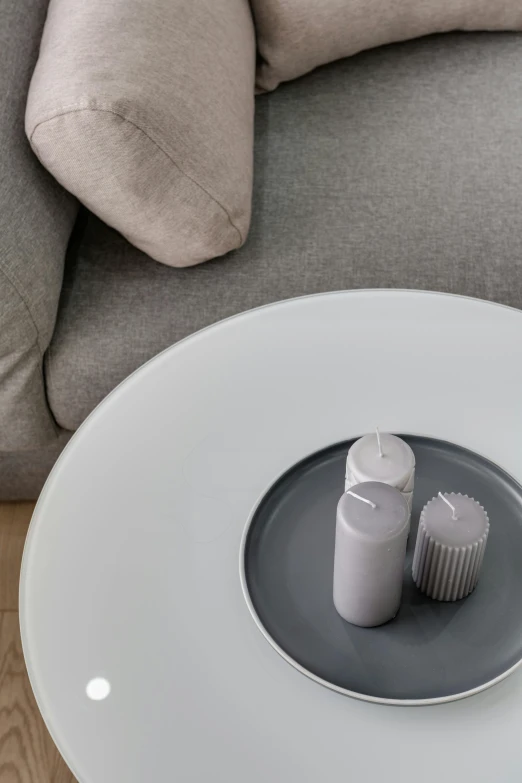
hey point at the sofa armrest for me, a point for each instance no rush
(36, 220)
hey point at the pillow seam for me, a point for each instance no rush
(73, 110)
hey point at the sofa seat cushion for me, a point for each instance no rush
(144, 110)
(397, 168)
(295, 36)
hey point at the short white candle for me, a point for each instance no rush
(382, 457)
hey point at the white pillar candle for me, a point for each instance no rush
(382, 457)
(370, 547)
(451, 541)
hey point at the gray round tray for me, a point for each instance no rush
(431, 650)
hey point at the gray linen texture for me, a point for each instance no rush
(36, 218)
(400, 167)
(144, 110)
(295, 36)
(23, 473)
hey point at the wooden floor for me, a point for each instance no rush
(27, 753)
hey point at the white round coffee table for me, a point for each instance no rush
(144, 658)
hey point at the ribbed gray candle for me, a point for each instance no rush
(370, 547)
(451, 541)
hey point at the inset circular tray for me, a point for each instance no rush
(431, 651)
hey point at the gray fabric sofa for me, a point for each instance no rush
(400, 167)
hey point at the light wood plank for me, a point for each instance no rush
(14, 522)
(27, 752)
(25, 746)
(61, 772)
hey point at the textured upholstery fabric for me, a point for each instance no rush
(400, 167)
(295, 36)
(36, 218)
(23, 473)
(144, 110)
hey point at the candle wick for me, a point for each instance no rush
(453, 509)
(364, 500)
(379, 444)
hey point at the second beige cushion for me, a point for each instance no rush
(144, 110)
(295, 36)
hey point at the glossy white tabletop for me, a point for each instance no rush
(131, 569)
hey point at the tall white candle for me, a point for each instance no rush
(370, 547)
(382, 457)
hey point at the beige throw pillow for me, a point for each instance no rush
(144, 110)
(295, 36)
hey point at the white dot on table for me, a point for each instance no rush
(98, 689)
